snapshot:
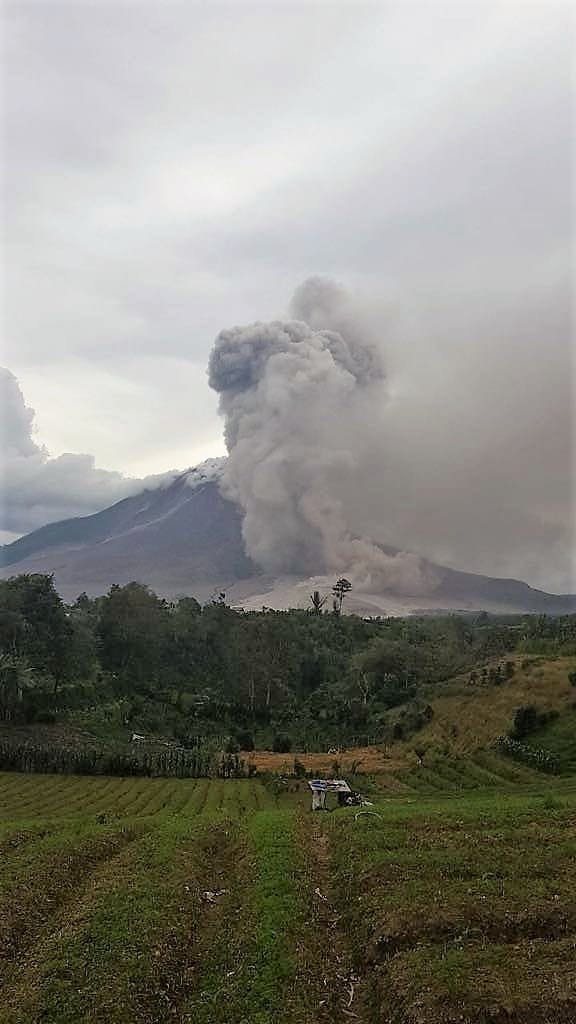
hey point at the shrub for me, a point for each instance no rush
(245, 740)
(281, 744)
(528, 719)
(536, 758)
(525, 721)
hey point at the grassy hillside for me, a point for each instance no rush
(469, 717)
(558, 738)
(457, 741)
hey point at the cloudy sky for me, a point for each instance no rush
(172, 169)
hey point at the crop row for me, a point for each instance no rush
(32, 796)
(486, 770)
(166, 919)
(449, 903)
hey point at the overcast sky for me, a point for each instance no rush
(173, 169)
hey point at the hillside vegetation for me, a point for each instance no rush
(129, 682)
(469, 715)
(223, 900)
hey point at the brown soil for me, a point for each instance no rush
(367, 759)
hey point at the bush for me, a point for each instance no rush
(572, 678)
(528, 719)
(281, 744)
(536, 758)
(245, 740)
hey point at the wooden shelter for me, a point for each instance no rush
(322, 787)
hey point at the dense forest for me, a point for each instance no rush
(131, 662)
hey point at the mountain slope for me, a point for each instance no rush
(185, 537)
(176, 538)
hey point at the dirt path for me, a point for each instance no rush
(197, 964)
(328, 959)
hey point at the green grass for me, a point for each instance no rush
(558, 738)
(252, 965)
(444, 905)
(443, 897)
(103, 913)
(47, 796)
(484, 770)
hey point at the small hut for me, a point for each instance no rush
(321, 788)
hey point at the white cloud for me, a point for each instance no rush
(175, 168)
(38, 489)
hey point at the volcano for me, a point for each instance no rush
(186, 538)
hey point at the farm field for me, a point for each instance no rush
(228, 902)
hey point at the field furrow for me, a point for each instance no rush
(177, 901)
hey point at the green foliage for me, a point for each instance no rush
(157, 900)
(549, 636)
(23, 757)
(535, 757)
(529, 719)
(278, 912)
(282, 744)
(340, 589)
(131, 661)
(35, 628)
(245, 740)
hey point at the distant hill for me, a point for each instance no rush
(185, 538)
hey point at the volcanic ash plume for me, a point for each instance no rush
(292, 394)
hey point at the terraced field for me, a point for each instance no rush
(219, 902)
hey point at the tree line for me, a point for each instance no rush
(132, 662)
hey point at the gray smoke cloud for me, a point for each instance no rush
(294, 396)
(38, 489)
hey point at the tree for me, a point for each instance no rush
(340, 589)
(318, 602)
(245, 740)
(15, 677)
(34, 625)
(132, 631)
(281, 744)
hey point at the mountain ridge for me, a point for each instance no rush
(186, 537)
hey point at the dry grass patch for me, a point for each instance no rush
(471, 717)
